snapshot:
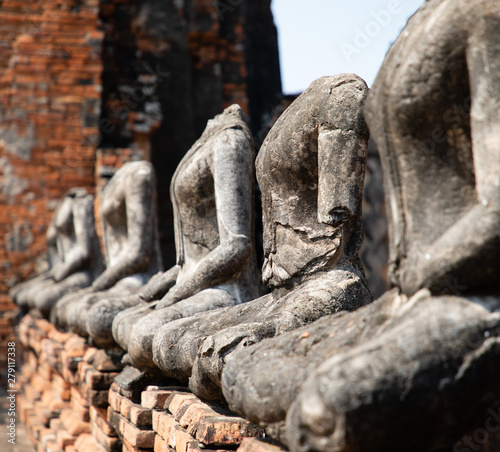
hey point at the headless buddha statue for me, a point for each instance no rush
(417, 369)
(212, 195)
(128, 219)
(74, 254)
(310, 171)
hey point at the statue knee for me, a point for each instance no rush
(118, 329)
(140, 345)
(99, 323)
(124, 322)
(45, 301)
(175, 347)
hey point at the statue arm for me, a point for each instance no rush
(52, 251)
(78, 255)
(341, 171)
(159, 284)
(134, 257)
(474, 236)
(233, 179)
(342, 151)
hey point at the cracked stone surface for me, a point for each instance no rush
(129, 226)
(212, 194)
(416, 370)
(433, 113)
(310, 170)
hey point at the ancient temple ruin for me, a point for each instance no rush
(151, 165)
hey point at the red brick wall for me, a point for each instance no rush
(78, 74)
(50, 93)
(50, 89)
(169, 66)
(134, 79)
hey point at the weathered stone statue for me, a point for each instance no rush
(212, 194)
(417, 369)
(74, 254)
(433, 114)
(310, 170)
(128, 219)
(21, 292)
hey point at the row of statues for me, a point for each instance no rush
(316, 361)
(312, 236)
(73, 251)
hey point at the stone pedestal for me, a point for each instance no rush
(70, 403)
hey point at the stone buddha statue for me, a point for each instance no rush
(21, 292)
(74, 254)
(128, 220)
(310, 170)
(212, 195)
(417, 369)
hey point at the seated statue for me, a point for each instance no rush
(21, 292)
(74, 254)
(417, 369)
(212, 194)
(310, 171)
(128, 220)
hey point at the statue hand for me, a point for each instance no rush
(168, 300)
(411, 272)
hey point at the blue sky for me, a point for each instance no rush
(327, 37)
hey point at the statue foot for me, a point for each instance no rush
(59, 313)
(260, 382)
(46, 298)
(123, 322)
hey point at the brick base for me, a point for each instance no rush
(70, 403)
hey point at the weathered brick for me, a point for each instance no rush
(140, 416)
(99, 420)
(99, 380)
(63, 438)
(177, 401)
(161, 445)
(53, 402)
(104, 362)
(172, 433)
(225, 431)
(31, 393)
(98, 398)
(87, 443)
(131, 433)
(114, 400)
(43, 413)
(75, 347)
(110, 443)
(155, 398)
(73, 424)
(39, 383)
(258, 445)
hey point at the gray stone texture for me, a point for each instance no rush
(374, 253)
(310, 170)
(361, 375)
(433, 114)
(212, 195)
(417, 369)
(263, 380)
(128, 221)
(415, 381)
(74, 255)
